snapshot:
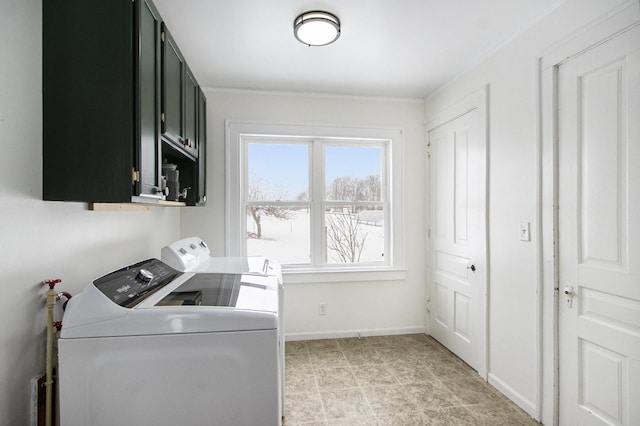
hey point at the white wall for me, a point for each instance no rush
(77, 245)
(511, 74)
(374, 307)
(65, 239)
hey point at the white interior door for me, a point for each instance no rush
(458, 237)
(599, 234)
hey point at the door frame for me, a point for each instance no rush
(475, 101)
(608, 26)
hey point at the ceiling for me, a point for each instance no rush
(388, 48)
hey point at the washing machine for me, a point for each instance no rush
(192, 254)
(151, 345)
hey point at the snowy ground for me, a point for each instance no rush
(287, 241)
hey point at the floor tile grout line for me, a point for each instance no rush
(387, 363)
(317, 380)
(364, 395)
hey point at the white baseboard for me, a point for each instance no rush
(528, 406)
(352, 333)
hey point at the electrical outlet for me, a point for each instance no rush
(322, 309)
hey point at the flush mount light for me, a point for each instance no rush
(316, 28)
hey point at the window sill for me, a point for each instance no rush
(334, 275)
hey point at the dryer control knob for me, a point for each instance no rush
(145, 275)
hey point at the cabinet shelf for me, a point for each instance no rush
(121, 207)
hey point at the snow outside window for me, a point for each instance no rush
(322, 201)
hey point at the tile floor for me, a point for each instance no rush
(388, 380)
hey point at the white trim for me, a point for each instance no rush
(394, 153)
(291, 337)
(618, 20)
(297, 276)
(528, 406)
(512, 36)
(478, 100)
(611, 24)
(336, 96)
(539, 256)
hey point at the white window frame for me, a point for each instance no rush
(237, 135)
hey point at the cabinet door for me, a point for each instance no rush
(173, 69)
(191, 113)
(147, 146)
(201, 194)
(89, 91)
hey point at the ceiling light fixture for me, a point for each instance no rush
(316, 28)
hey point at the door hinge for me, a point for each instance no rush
(135, 176)
(162, 117)
(162, 36)
(428, 306)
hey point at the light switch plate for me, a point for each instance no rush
(525, 232)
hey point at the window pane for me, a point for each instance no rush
(354, 235)
(280, 233)
(352, 173)
(278, 172)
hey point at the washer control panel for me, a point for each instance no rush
(130, 285)
(186, 254)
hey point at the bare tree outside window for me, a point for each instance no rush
(372, 188)
(345, 237)
(349, 188)
(257, 192)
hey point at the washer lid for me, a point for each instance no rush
(241, 291)
(151, 298)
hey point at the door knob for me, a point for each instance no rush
(472, 267)
(569, 295)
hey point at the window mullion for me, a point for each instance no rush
(317, 198)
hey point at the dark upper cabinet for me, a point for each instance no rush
(178, 100)
(201, 194)
(89, 100)
(148, 149)
(172, 89)
(104, 92)
(191, 94)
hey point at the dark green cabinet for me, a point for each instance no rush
(191, 94)
(172, 89)
(148, 148)
(104, 98)
(200, 140)
(178, 97)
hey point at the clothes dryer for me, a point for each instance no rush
(150, 345)
(192, 254)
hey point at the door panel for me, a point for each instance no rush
(201, 194)
(461, 185)
(599, 229)
(148, 148)
(173, 68)
(191, 113)
(457, 205)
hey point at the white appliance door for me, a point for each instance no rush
(227, 378)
